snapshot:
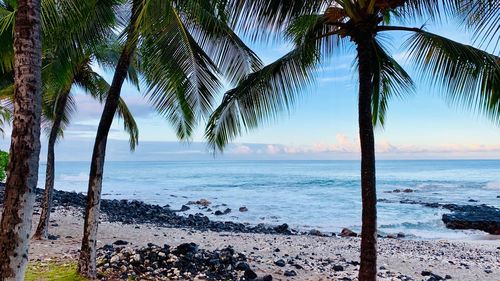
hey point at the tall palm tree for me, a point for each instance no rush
(185, 47)
(15, 225)
(469, 76)
(59, 105)
(69, 25)
(60, 73)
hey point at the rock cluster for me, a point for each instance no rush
(138, 212)
(185, 262)
(480, 217)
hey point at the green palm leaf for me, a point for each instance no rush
(470, 77)
(262, 95)
(260, 18)
(206, 21)
(181, 77)
(483, 17)
(129, 124)
(390, 80)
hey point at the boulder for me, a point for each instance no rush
(346, 232)
(480, 217)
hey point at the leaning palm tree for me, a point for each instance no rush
(469, 76)
(184, 47)
(59, 104)
(69, 25)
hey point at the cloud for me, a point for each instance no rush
(273, 149)
(335, 79)
(89, 108)
(240, 149)
(347, 145)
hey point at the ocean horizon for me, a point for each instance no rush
(306, 194)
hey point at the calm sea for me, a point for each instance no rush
(323, 195)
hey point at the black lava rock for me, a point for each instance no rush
(250, 274)
(290, 273)
(186, 248)
(280, 263)
(282, 229)
(159, 263)
(338, 268)
(481, 217)
(120, 243)
(242, 266)
(137, 212)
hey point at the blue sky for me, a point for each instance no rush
(323, 124)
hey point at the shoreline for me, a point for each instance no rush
(310, 257)
(306, 256)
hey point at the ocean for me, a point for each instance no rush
(322, 195)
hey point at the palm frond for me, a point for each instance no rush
(262, 95)
(390, 80)
(483, 17)
(129, 124)
(261, 18)
(57, 105)
(470, 77)
(424, 9)
(317, 28)
(107, 53)
(91, 82)
(69, 25)
(182, 79)
(206, 21)
(7, 17)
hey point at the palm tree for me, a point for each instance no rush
(469, 76)
(69, 25)
(58, 107)
(184, 48)
(15, 225)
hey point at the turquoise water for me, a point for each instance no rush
(323, 195)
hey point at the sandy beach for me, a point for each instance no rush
(311, 257)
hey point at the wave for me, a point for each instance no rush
(493, 185)
(80, 177)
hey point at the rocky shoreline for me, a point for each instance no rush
(128, 251)
(138, 212)
(197, 248)
(479, 217)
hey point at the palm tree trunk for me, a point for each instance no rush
(15, 227)
(42, 231)
(368, 269)
(87, 261)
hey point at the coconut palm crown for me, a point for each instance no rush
(468, 76)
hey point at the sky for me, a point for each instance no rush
(322, 125)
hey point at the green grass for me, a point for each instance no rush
(52, 271)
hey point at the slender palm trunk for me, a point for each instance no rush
(15, 227)
(87, 261)
(368, 269)
(42, 231)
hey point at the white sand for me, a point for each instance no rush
(463, 260)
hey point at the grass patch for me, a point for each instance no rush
(52, 271)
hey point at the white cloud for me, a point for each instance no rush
(272, 149)
(335, 79)
(240, 149)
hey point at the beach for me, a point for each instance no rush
(279, 220)
(310, 257)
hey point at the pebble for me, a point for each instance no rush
(280, 263)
